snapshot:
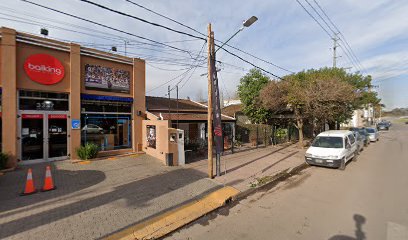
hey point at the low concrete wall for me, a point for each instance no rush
(163, 144)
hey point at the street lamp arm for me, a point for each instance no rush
(223, 44)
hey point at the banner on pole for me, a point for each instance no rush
(217, 126)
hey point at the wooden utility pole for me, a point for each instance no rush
(209, 103)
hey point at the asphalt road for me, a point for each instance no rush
(369, 200)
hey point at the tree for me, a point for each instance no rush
(286, 94)
(315, 96)
(248, 91)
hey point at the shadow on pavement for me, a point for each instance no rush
(137, 194)
(66, 181)
(256, 159)
(360, 235)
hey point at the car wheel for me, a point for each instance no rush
(342, 164)
(378, 139)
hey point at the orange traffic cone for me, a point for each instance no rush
(29, 187)
(48, 183)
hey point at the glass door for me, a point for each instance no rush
(56, 141)
(43, 136)
(32, 136)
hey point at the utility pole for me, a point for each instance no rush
(335, 39)
(177, 106)
(168, 89)
(209, 103)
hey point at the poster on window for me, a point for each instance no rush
(106, 78)
(151, 136)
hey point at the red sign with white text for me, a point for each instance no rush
(57, 116)
(32, 116)
(44, 69)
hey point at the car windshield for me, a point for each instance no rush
(370, 130)
(328, 142)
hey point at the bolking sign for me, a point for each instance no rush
(44, 69)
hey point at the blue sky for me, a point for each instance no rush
(284, 35)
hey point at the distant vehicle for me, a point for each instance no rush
(332, 149)
(383, 126)
(92, 128)
(373, 134)
(363, 133)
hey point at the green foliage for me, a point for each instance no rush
(248, 91)
(89, 151)
(3, 160)
(281, 133)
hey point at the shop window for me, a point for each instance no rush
(106, 123)
(109, 132)
(43, 101)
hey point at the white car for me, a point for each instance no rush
(373, 134)
(92, 128)
(332, 149)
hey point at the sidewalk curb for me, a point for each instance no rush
(174, 219)
(278, 177)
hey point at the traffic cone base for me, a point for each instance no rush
(25, 194)
(45, 190)
(29, 186)
(48, 183)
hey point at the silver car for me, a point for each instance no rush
(373, 134)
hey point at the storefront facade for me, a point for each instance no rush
(56, 96)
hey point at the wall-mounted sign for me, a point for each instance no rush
(75, 124)
(31, 116)
(57, 116)
(106, 78)
(44, 69)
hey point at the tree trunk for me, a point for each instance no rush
(300, 128)
(332, 125)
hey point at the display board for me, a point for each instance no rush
(106, 78)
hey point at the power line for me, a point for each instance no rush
(195, 67)
(324, 29)
(341, 34)
(233, 54)
(314, 9)
(202, 34)
(170, 29)
(105, 26)
(141, 19)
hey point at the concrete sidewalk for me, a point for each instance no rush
(241, 170)
(96, 199)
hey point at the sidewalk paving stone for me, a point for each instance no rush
(97, 199)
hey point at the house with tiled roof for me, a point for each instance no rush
(185, 114)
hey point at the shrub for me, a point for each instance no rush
(3, 160)
(89, 151)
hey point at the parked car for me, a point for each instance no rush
(360, 141)
(383, 126)
(363, 133)
(373, 134)
(332, 149)
(92, 128)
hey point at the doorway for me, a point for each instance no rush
(43, 136)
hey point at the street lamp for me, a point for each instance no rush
(245, 24)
